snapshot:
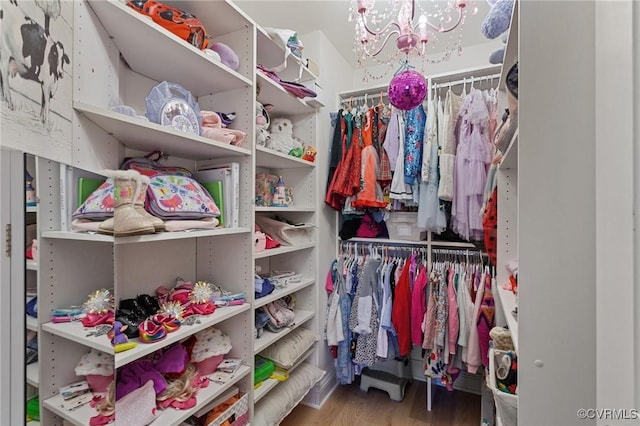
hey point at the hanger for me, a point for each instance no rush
(380, 105)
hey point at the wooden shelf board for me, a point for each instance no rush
(32, 323)
(510, 157)
(268, 338)
(281, 292)
(142, 349)
(33, 374)
(283, 250)
(284, 103)
(146, 136)
(146, 45)
(159, 236)
(272, 159)
(171, 416)
(508, 303)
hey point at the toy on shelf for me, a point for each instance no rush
(181, 23)
(281, 138)
(280, 195)
(119, 340)
(496, 23)
(98, 308)
(30, 191)
(309, 153)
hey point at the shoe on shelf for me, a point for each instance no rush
(150, 331)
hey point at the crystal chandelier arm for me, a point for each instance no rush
(452, 27)
(384, 43)
(382, 31)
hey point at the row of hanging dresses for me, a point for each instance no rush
(372, 313)
(474, 152)
(359, 165)
(434, 157)
(459, 315)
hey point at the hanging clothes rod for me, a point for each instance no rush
(360, 247)
(375, 97)
(470, 80)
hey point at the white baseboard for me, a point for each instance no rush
(319, 394)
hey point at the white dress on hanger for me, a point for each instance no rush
(400, 190)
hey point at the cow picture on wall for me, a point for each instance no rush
(36, 40)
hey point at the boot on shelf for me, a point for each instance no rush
(129, 189)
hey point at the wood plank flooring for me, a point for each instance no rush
(349, 406)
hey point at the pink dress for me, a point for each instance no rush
(418, 306)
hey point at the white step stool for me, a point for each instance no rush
(382, 380)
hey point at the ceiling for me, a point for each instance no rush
(330, 16)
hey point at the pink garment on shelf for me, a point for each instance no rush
(454, 319)
(430, 315)
(100, 419)
(474, 357)
(328, 283)
(418, 306)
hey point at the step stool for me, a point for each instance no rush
(391, 384)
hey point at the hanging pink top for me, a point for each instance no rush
(418, 306)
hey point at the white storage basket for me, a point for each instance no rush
(506, 403)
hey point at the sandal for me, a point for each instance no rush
(151, 332)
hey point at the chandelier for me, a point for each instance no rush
(375, 30)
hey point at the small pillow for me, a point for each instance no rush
(290, 348)
(284, 397)
(138, 407)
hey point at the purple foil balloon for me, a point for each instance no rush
(407, 89)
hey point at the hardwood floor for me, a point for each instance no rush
(349, 406)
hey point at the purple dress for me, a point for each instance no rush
(473, 156)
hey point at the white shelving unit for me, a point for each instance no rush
(268, 338)
(33, 374)
(127, 53)
(301, 176)
(508, 210)
(32, 323)
(112, 39)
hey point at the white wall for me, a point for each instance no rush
(472, 56)
(334, 73)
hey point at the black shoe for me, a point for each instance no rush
(149, 304)
(131, 321)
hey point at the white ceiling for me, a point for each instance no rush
(330, 16)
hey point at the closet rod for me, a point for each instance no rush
(471, 80)
(369, 96)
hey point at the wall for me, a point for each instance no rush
(332, 69)
(472, 56)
